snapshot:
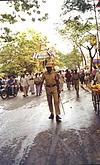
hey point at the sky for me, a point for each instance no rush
(53, 8)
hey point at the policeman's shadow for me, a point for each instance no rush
(55, 126)
(58, 128)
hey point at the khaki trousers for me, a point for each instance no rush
(52, 98)
(77, 88)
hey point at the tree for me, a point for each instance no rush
(7, 36)
(21, 10)
(16, 57)
(91, 41)
(75, 30)
(23, 7)
(79, 30)
(72, 60)
(83, 5)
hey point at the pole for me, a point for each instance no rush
(96, 27)
(62, 105)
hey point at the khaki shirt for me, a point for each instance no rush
(50, 78)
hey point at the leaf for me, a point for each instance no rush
(8, 18)
(38, 12)
(33, 19)
(23, 19)
(78, 5)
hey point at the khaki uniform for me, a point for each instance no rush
(76, 83)
(51, 80)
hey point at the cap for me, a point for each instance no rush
(49, 64)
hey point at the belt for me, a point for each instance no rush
(51, 85)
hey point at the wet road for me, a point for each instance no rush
(28, 137)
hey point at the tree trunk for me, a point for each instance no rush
(85, 63)
(91, 57)
(91, 64)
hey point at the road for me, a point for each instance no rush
(28, 137)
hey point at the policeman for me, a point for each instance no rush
(52, 90)
(76, 82)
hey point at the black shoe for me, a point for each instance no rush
(51, 116)
(24, 96)
(57, 116)
(58, 119)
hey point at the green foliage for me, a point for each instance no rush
(71, 60)
(76, 28)
(43, 18)
(78, 32)
(24, 5)
(27, 8)
(7, 35)
(91, 39)
(8, 18)
(16, 57)
(78, 5)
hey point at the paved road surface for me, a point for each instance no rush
(28, 137)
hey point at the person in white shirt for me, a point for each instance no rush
(61, 80)
(37, 82)
(24, 84)
(31, 83)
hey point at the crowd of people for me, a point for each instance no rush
(53, 81)
(32, 82)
